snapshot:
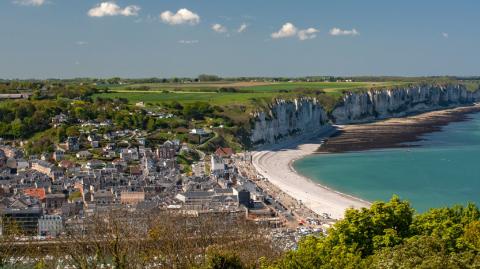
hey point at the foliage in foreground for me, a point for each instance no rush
(390, 235)
(387, 235)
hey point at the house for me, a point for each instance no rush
(38, 193)
(195, 197)
(59, 119)
(45, 156)
(119, 164)
(58, 155)
(94, 164)
(54, 201)
(198, 131)
(166, 151)
(92, 137)
(95, 144)
(50, 225)
(73, 144)
(66, 164)
(11, 152)
(103, 197)
(224, 152)
(217, 165)
(130, 154)
(25, 216)
(3, 159)
(15, 95)
(22, 165)
(141, 141)
(42, 167)
(84, 155)
(132, 197)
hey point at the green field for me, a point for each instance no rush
(246, 92)
(187, 97)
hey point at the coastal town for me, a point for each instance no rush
(96, 172)
(141, 134)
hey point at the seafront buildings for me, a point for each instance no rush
(44, 194)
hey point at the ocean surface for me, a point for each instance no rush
(443, 170)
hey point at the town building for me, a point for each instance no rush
(50, 225)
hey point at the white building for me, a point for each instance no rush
(217, 164)
(50, 225)
(199, 131)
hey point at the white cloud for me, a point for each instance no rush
(182, 16)
(242, 28)
(287, 30)
(188, 41)
(445, 35)
(338, 32)
(81, 43)
(110, 8)
(306, 34)
(219, 28)
(29, 2)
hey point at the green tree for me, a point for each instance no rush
(72, 131)
(223, 260)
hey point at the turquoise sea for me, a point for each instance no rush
(442, 171)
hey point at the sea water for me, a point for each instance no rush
(442, 170)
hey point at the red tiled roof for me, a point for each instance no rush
(223, 152)
(67, 164)
(35, 192)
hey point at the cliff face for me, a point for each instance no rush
(380, 104)
(303, 116)
(286, 119)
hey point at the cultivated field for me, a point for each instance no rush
(246, 93)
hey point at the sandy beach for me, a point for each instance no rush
(275, 162)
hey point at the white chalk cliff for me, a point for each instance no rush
(289, 118)
(286, 119)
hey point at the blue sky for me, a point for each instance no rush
(130, 38)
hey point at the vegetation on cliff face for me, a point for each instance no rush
(391, 235)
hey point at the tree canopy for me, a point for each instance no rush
(391, 235)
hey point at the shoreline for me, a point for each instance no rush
(401, 132)
(275, 162)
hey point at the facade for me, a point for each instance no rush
(165, 152)
(83, 155)
(54, 201)
(103, 197)
(42, 167)
(58, 155)
(50, 225)
(26, 218)
(73, 144)
(217, 165)
(132, 197)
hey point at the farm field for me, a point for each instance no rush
(245, 92)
